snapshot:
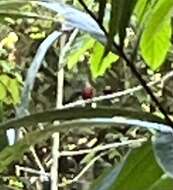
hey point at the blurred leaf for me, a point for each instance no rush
(120, 17)
(155, 40)
(3, 138)
(163, 148)
(10, 89)
(165, 183)
(99, 63)
(80, 47)
(4, 79)
(102, 6)
(3, 91)
(140, 8)
(138, 171)
(10, 40)
(5, 66)
(113, 23)
(14, 89)
(77, 113)
(77, 18)
(154, 47)
(12, 4)
(32, 71)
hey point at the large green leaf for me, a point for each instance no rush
(154, 47)
(165, 183)
(155, 40)
(98, 63)
(138, 171)
(140, 8)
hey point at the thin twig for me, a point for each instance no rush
(119, 93)
(31, 170)
(60, 86)
(103, 147)
(83, 171)
(59, 100)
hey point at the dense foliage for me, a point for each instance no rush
(86, 94)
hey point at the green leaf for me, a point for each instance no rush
(102, 6)
(98, 63)
(80, 47)
(154, 47)
(14, 89)
(165, 183)
(155, 40)
(12, 4)
(121, 11)
(138, 171)
(77, 113)
(6, 66)
(140, 8)
(3, 91)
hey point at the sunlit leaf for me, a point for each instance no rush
(14, 89)
(10, 40)
(154, 47)
(140, 8)
(98, 63)
(3, 92)
(80, 47)
(155, 40)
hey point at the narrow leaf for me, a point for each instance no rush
(102, 6)
(120, 16)
(77, 18)
(32, 72)
(77, 113)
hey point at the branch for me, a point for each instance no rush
(103, 147)
(31, 170)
